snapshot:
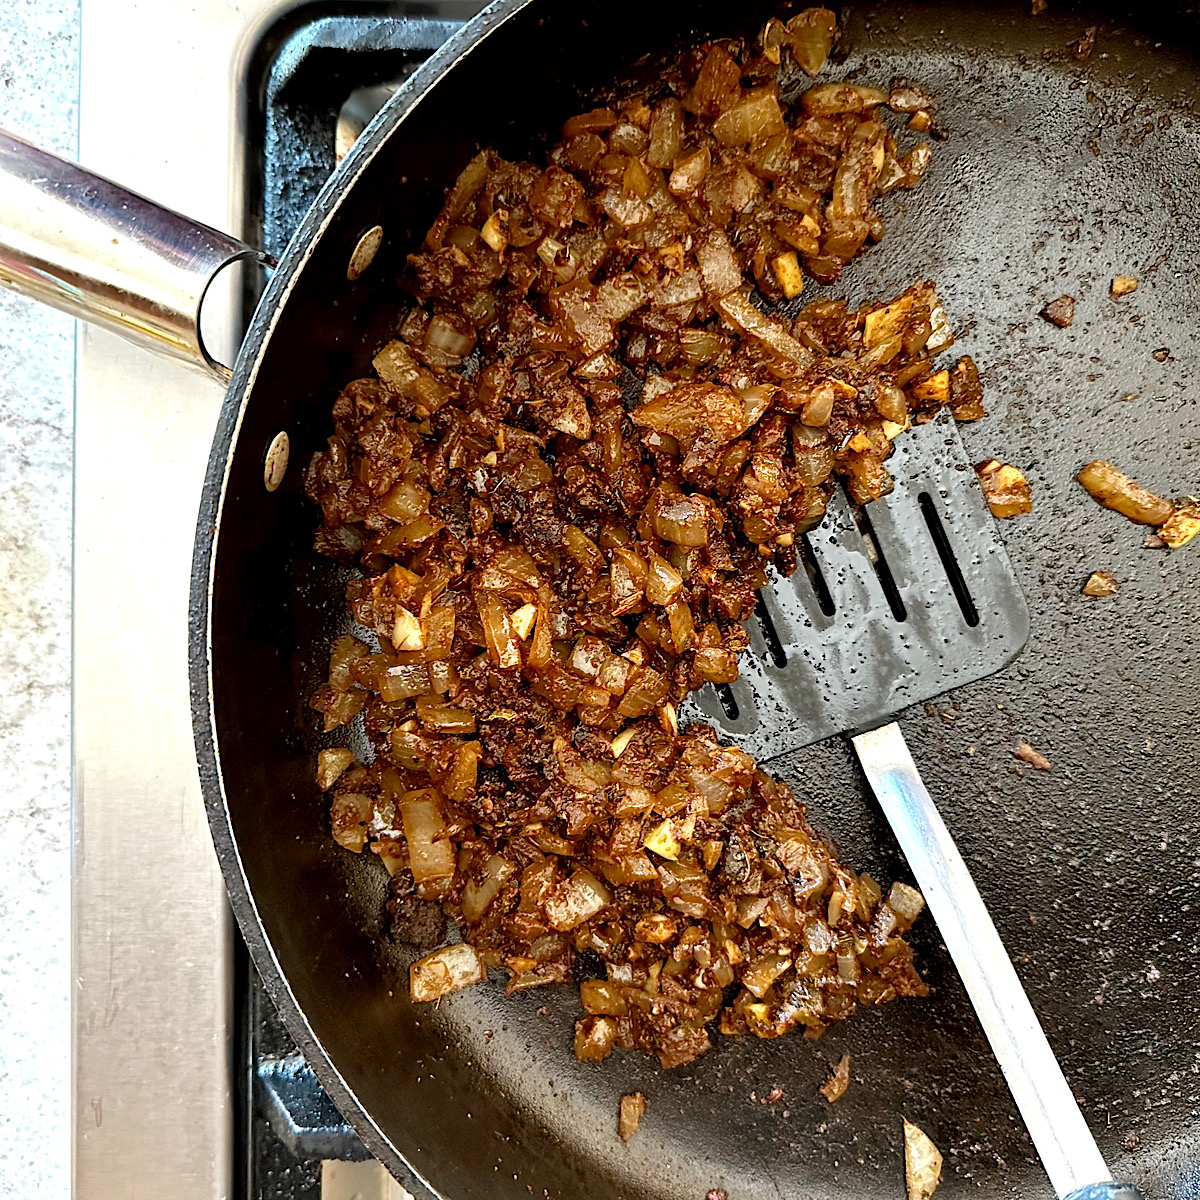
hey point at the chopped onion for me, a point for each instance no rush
(595, 1038)
(444, 971)
(682, 520)
(666, 134)
(349, 815)
(433, 714)
(502, 642)
(396, 365)
(719, 266)
(829, 99)
(690, 171)
(555, 568)
(755, 116)
(575, 901)
(332, 764)
(811, 35)
(663, 582)
(399, 683)
(459, 785)
(601, 998)
(479, 893)
(346, 652)
(752, 320)
(759, 976)
(906, 902)
(405, 502)
(431, 856)
(454, 338)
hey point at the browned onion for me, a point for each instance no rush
(543, 572)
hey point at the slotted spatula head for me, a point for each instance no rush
(894, 602)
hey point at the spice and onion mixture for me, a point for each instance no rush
(605, 413)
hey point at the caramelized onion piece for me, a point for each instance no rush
(1114, 489)
(444, 971)
(633, 1108)
(331, 765)
(431, 854)
(753, 321)
(1005, 488)
(811, 35)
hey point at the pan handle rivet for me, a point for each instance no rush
(275, 466)
(364, 252)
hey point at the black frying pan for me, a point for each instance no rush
(1056, 174)
(482, 1097)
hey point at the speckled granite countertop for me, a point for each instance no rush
(39, 85)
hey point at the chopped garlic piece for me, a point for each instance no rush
(1122, 285)
(622, 740)
(1005, 488)
(523, 619)
(1101, 583)
(935, 389)
(663, 842)
(632, 1109)
(1181, 526)
(789, 272)
(406, 633)
(654, 929)
(493, 231)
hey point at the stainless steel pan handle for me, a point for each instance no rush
(104, 254)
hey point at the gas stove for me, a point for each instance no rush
(186, 1082)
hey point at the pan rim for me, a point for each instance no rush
(206, 544)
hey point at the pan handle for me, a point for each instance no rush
(104, 254)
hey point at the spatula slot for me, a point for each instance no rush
(933, 519)
(888, 612)
(887, 580)
(770, 634)
(816, 579)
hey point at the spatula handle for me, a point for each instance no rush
(1061, 1135)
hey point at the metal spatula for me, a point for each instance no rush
(895, 603)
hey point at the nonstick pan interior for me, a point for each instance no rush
(1055, 174)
